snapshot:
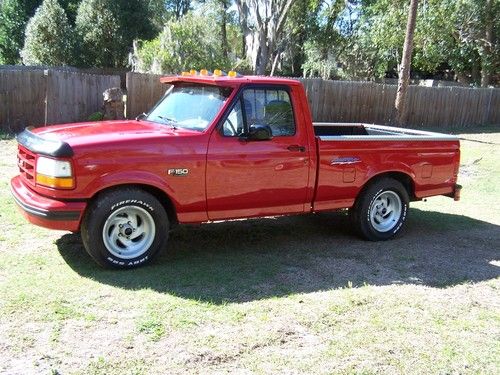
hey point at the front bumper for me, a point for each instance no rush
(47, 212)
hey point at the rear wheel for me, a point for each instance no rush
(125, 228)
(381, 210)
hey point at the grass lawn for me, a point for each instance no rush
(277, 295)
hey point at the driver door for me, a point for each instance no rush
(257, 178)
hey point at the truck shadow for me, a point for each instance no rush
(247, 260)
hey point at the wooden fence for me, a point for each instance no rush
(143, 91)
(348, 101)
(344, 101)
(41, 97)
(38, 97)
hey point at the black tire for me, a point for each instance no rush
(124, 211)
(380, 227)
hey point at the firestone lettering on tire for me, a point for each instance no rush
(128, 201)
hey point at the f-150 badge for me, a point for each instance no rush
(179, 172)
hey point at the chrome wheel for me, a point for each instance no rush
(385, 211)
(129, 232)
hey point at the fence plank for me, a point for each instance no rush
(22, 99)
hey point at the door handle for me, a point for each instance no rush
(296, 148)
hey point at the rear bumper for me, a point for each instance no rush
(46, 212)
(455, 194)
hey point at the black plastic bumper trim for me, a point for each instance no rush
(40, 145)
(49, 215)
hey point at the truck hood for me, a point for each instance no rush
(84, 133)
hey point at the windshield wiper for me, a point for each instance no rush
(170, 121)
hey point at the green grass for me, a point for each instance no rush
(286, 295)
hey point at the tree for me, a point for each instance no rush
(12, 23)
(99, 39)
(14, 15)
(324, 43)
(177, 8)
(187, 43)
(49, 37)
(451, 40)
(224, 6)
(477, 32)
(107, 28)
(404, 70)
(134, 21)
(71, 8)
(302, 25)
(262, 23)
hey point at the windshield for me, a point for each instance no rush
(189, 106)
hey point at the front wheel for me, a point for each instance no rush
(381, 210)
(124, 228)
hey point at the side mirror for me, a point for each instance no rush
(141, 116)
(258, 133)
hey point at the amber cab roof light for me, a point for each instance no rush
(206, 73)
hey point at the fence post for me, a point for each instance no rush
(130, 91)
(47, 74)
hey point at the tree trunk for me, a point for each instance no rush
(487, 48)
(224, 30)
(262, 24)
(404, 70)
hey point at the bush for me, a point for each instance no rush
(49, 37)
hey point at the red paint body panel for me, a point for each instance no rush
(230, 178)
(377, 157)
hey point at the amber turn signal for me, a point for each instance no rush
(55, 182)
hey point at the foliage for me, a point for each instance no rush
(48, 38)
(449, 37)
(302, 27)
(96, 116)
(325, 41)
(350, 39)
(71, 8)
(187, 43)
(107, 28)
(98, 34)
(12, 23)
(14, 15)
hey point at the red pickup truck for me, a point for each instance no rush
(219, 147)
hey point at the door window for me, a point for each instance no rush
(233, 126)
(271, 107)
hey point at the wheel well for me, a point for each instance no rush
(159, 194)
(403, 178)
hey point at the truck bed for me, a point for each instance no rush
(350, 154)
(337, 131)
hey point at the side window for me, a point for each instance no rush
(233, 126)
(269, 107)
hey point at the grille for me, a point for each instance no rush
(26, 162)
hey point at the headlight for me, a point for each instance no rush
(54, 173)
